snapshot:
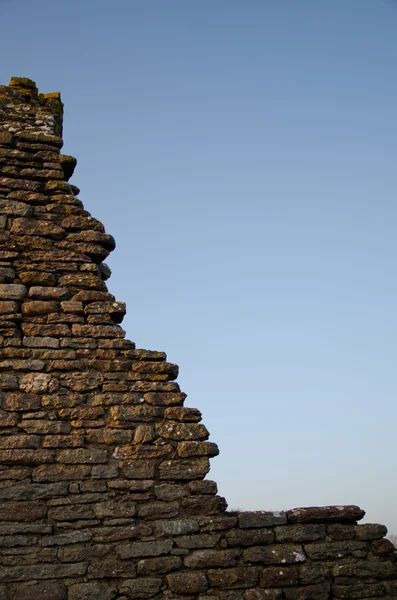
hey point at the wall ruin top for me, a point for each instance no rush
(103, 492)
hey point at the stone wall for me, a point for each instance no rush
(102, 469)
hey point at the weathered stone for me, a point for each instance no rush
(203, 487)
(279, 577)
(23, 226)
(8, 381)
(6, 274)
(48, 293)
(73, 537)
(7, 420)
(13, 207)
(20, 184)
(325, 514)
(314, 592)
(6, 138)
(23, 365)
(383, 547)
(141, 412)
(38, 330)
(36, 383)
(334, 550)
(275, 555)
(106, 471)
(20, 441)
(26, 457)
(39, 137)
(12, 291)
(161, 564)
(201, 540)
(41, 591)
(253, 537)
(314, 573)
(116, 533)
(98, 331)
(159, 510)
(221, 523)
(108, 436)
(263, 594)
(123, 507)
(203, 559)
(45, 427)
(37, 278)
(71, 513)
(142, 549)
(91, 591)
(204, 505)
(366, 568)
(111, 568)
(82, 456)
(40, 342)
(39, 307)
(8, 307)
(300, 533)
(248, 520)
(188, 582)
(187, 449)
(60, 472)
(139, 589)
(370, 531)
(22, 511)
(177, 527)
(184, 469)
(359, 590)
(33, 491)
(238, 577)
(170, 492)
(144, 434)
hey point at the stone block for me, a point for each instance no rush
(22, 511)
(300, 533)
(249, 537)
(82, 456)
(183, 469)
(8, 307)
(275, 555)
(139, 589)
(12, 291)
(370, 531)
(209, 559)
(92, 591)
(143, 549)
(188, 582)
(325, 514)
(41, 591)
(6, 139)
(39, 307)
(238, 577)
(161, 564)
(250, 520)
(279, 577)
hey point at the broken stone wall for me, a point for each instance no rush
(103, 493)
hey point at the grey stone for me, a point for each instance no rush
(12, 291)
(92, 591)
(248, 520)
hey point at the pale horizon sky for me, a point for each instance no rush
(243, 155)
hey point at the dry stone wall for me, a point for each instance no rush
(103, 493)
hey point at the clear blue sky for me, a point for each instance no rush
(243, 154)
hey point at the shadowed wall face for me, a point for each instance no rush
(102, 489)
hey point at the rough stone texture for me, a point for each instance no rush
(102, 489)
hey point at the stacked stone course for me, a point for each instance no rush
(103, 493)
